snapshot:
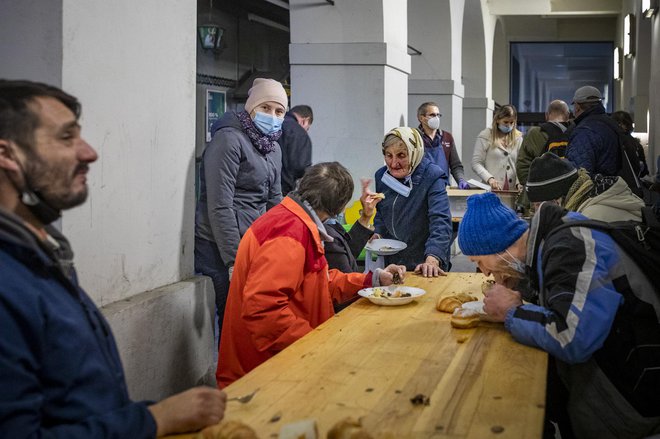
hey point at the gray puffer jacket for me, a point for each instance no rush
(237, 185)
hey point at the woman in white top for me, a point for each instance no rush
(496, 150)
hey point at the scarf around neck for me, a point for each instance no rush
(264, 143)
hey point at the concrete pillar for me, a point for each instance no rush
(478, 105)
(349, 62)
(436, 30)
(654, 95)
(134, 235)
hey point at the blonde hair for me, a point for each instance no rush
(498, 137)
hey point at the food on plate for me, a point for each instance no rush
(487, 285)
(385, 248)
(348, 428)
(465, 318)
(396, 278)
(305, 429)
(227, 430)
(453, 301)
(382, 292)
(378, 196)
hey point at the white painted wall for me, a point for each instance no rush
(654, 95)
(31, 40)
(132, 65)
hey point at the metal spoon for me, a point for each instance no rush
(245, 398)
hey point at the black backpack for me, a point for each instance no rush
(557, 142)
(630, 356)
(630, 169)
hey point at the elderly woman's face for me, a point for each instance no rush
(397, 160)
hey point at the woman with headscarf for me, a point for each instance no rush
(496, 150)
(239, 180)
(416, 207)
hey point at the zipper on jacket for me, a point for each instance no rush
(393, 204)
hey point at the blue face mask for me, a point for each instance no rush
(506, 129)
(266, 123)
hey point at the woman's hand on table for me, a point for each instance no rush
(498, 300)
(430, 268)
(494, 184)
(191, 410)
(387, 275)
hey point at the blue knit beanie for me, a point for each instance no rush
(488, 227)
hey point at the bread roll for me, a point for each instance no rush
(453, 301)
(227, 430)
(487, 285)
(465, 318)
(348, 428)
(379, 195)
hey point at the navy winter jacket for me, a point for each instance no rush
(60, 372)
(422, 220)
(593, 144)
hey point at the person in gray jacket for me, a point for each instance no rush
(239, 180)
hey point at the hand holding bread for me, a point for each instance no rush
(499, 300)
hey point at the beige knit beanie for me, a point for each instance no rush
(265, 90)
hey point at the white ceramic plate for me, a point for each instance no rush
(385, 246)
(476, 305)
(392, 289)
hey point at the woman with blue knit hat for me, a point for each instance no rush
(416, 207)
(586, 303)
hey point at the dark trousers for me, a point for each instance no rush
(209, 263)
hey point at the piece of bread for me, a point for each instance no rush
(453, 301)
(378, 195)
(487, 285)
(227, 430)
(465, 318)
(348, 428)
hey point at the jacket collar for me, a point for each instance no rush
(295, 205)
(598, 109)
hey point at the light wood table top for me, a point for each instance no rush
(368, 362)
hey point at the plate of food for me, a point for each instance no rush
(385, 246)
(392, 295)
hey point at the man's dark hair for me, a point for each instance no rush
(421, 110)
(18, 120)
(304, 111)
(327, 187)
(624, 119)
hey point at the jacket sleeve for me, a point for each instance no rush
(337, 251)
(532, 147)
(455, 164)
(580, 302)
(344, 286)
(379, 224)
(221, 165)
(479, 158)
(300, 153)
(440, 231)
(581, 149)
(359, 237)
(22, 394)
(275, 190)
(276, 273)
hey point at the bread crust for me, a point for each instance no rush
(465, 318)
(453, 301)
(227, 430)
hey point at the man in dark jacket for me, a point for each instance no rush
(61, 376)
(593, 144)
(296, 145)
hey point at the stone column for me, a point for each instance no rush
(349, 62)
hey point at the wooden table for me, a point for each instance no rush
(368, 362)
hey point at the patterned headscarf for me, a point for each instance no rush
(413, 141)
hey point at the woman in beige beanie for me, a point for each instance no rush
(239, 180)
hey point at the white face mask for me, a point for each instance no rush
(515, 264)
(433, 122)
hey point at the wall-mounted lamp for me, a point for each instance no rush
(649, 8)
(210, 35)
(617, 64)
(629, 35)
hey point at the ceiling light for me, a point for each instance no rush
(629, 35)
(617, 63)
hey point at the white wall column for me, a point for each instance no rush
(349, 62)
(436, 30)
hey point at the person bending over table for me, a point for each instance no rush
(416, 207)
(282, 287)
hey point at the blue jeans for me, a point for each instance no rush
(209, 263)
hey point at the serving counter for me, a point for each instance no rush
(370, 361)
